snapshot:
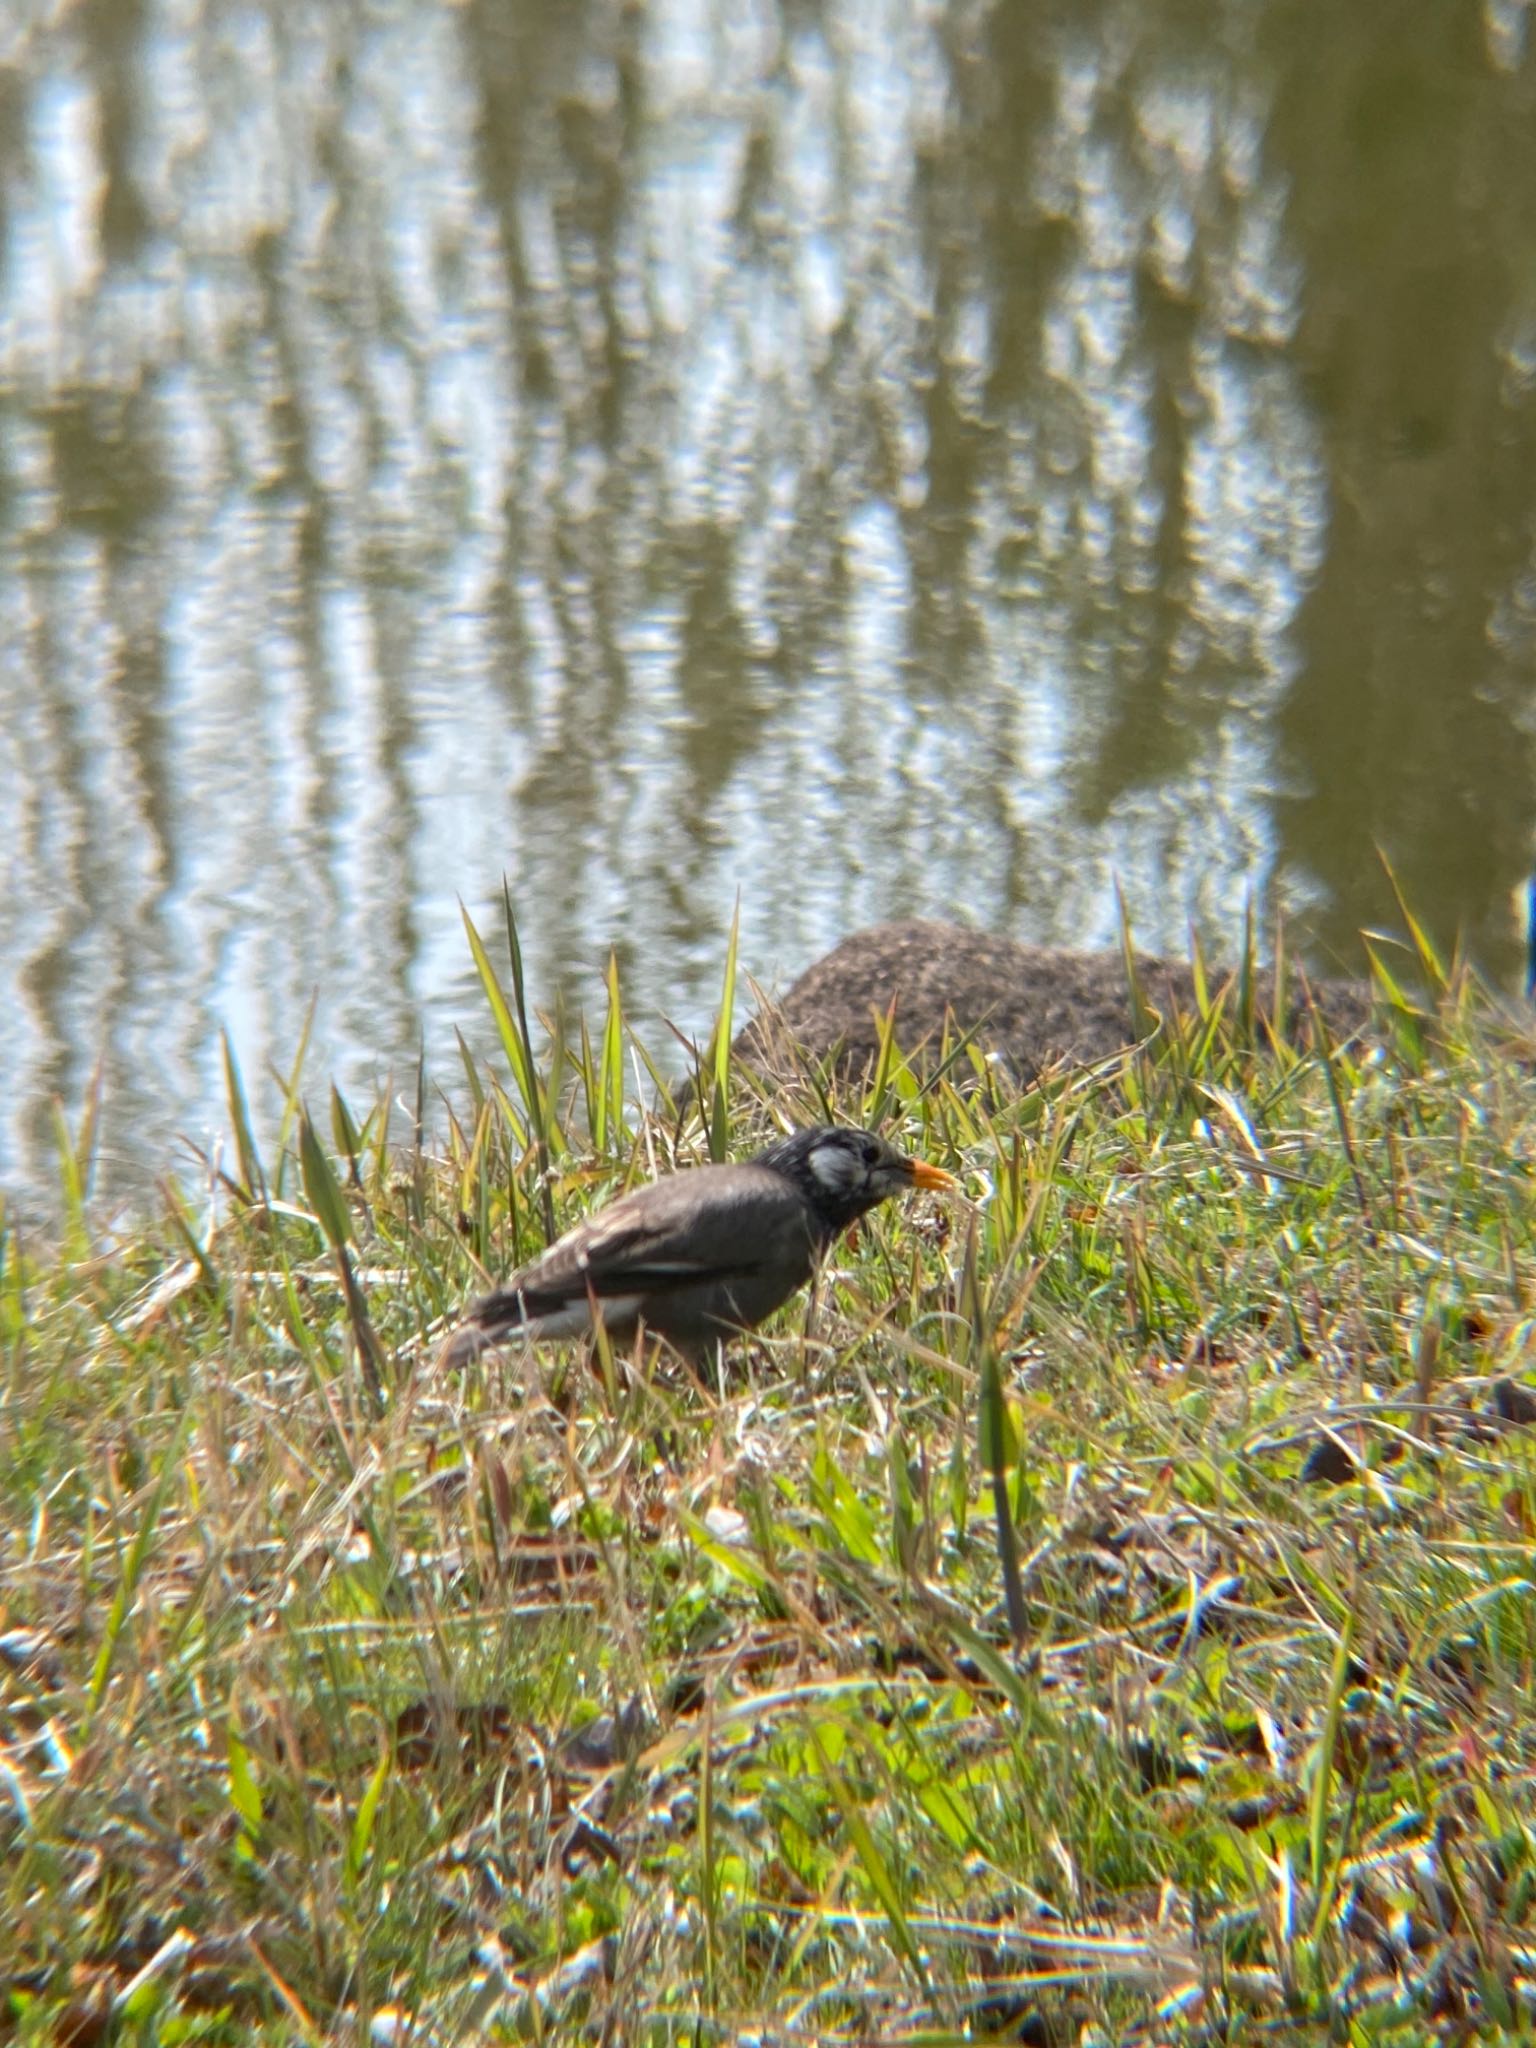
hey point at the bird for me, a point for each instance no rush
(702, 1254)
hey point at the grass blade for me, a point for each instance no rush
(995, 1433)
(324, 1194)
(610, 1090)
(360, 1837)
(124, 1598)
(720, 1052)
(321, 1187)
(514, 1042)
(1431, 965)
(1247, 975)
(244, 1787)
(1143, 1016)
(252, 1179)
(517, 1044)
(876, 1869)
(290, 1088)
(1322, 1764)
(349, 1141)
(538, 1098)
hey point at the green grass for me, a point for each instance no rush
(578, 1699)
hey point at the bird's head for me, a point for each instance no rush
(843, 1172)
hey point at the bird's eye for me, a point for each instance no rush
(871, 1152)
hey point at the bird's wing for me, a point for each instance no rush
(711, 1224)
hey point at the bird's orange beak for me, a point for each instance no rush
(932, 1177)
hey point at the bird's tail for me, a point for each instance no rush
(485, 1324)
(461, 1347)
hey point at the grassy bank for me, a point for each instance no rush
(339, 1701)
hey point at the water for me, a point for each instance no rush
(873, 459)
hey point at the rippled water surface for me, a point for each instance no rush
(874, 458)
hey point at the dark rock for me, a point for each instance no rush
(1328, 1463)
(1031, 1005)
(1515, 1402)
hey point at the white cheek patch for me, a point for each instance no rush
(835, 1168)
